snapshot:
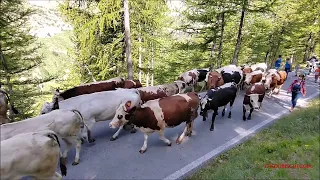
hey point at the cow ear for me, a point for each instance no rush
(128, 105)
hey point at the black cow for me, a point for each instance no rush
(216, 98)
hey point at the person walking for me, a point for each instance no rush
(297, 88)
(278, 63)
(317, 74)
(287, 67)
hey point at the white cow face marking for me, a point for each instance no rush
(203, 104)
(248, 78)
(254, 98)
(121, 117)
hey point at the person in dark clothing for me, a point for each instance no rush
(278, 63)
(297, 88)
(287, 67)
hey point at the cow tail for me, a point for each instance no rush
(63, 167)
(82, 121)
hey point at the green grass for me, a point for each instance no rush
(291, 140)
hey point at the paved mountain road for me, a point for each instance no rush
(121, 159)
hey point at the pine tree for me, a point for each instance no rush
(19, 58)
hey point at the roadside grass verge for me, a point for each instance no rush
(293, 139)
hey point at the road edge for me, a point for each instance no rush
(244, 136)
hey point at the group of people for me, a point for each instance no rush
(298, 86)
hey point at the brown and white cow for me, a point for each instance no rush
(155, 92)
(253, 77)
(129, 84)
(249, 69)
(226, 74)
(4, 100)
(89, 88)
(158, 114)
(253, 99)
(274, 80)
(34, 154)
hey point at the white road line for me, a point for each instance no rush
(195, 164)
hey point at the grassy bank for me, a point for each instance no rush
(291, 140)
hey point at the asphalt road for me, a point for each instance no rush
(121, 159)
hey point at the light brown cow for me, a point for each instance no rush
(34, 154)
(66, 123)
(155, 92)
(158, 114)
(253, 77)
(89, 88)
(129, 84)
(253, 99)
(274, 80)
(214, 79)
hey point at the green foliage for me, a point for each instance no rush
(247, 160)
(20, 62)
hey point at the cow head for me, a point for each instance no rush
(123, 114)
(254, 100)
(181, 85)
(214, 79)
(248, 78)
(204, 105)
(56, 94)
(270, 80)
(46, 108)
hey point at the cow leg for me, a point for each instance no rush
(180, 138)
(145, 144)
(244, 110)
(67, 149)
(164, 139)
(115, 136)
(223, 111)
(231, 104)
(84, 133)
(213, 118)
(133, 130)
(251, 110)
(189, 130)
(73, 140)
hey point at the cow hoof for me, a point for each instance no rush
(244, 118)
(142, 151)
(75, 163)
(249, 118)
(229, 116)
(113, 138)
(82, 140)
(133, 130)
(211, 129)
(169, 144)
(92, 140)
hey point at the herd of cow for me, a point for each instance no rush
(31, 147)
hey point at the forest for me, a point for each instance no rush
(149, 41)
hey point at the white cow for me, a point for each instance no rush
(34, 154)
(99, 106)
(67, 124)
(259, 66)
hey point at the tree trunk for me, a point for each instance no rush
(213, 48)
(148, 73)
(221, 40)
(140, 54)
(152, 63)
(237, 48)
(305, 56)
(266, 57)
(6, 72)
(127, 38)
